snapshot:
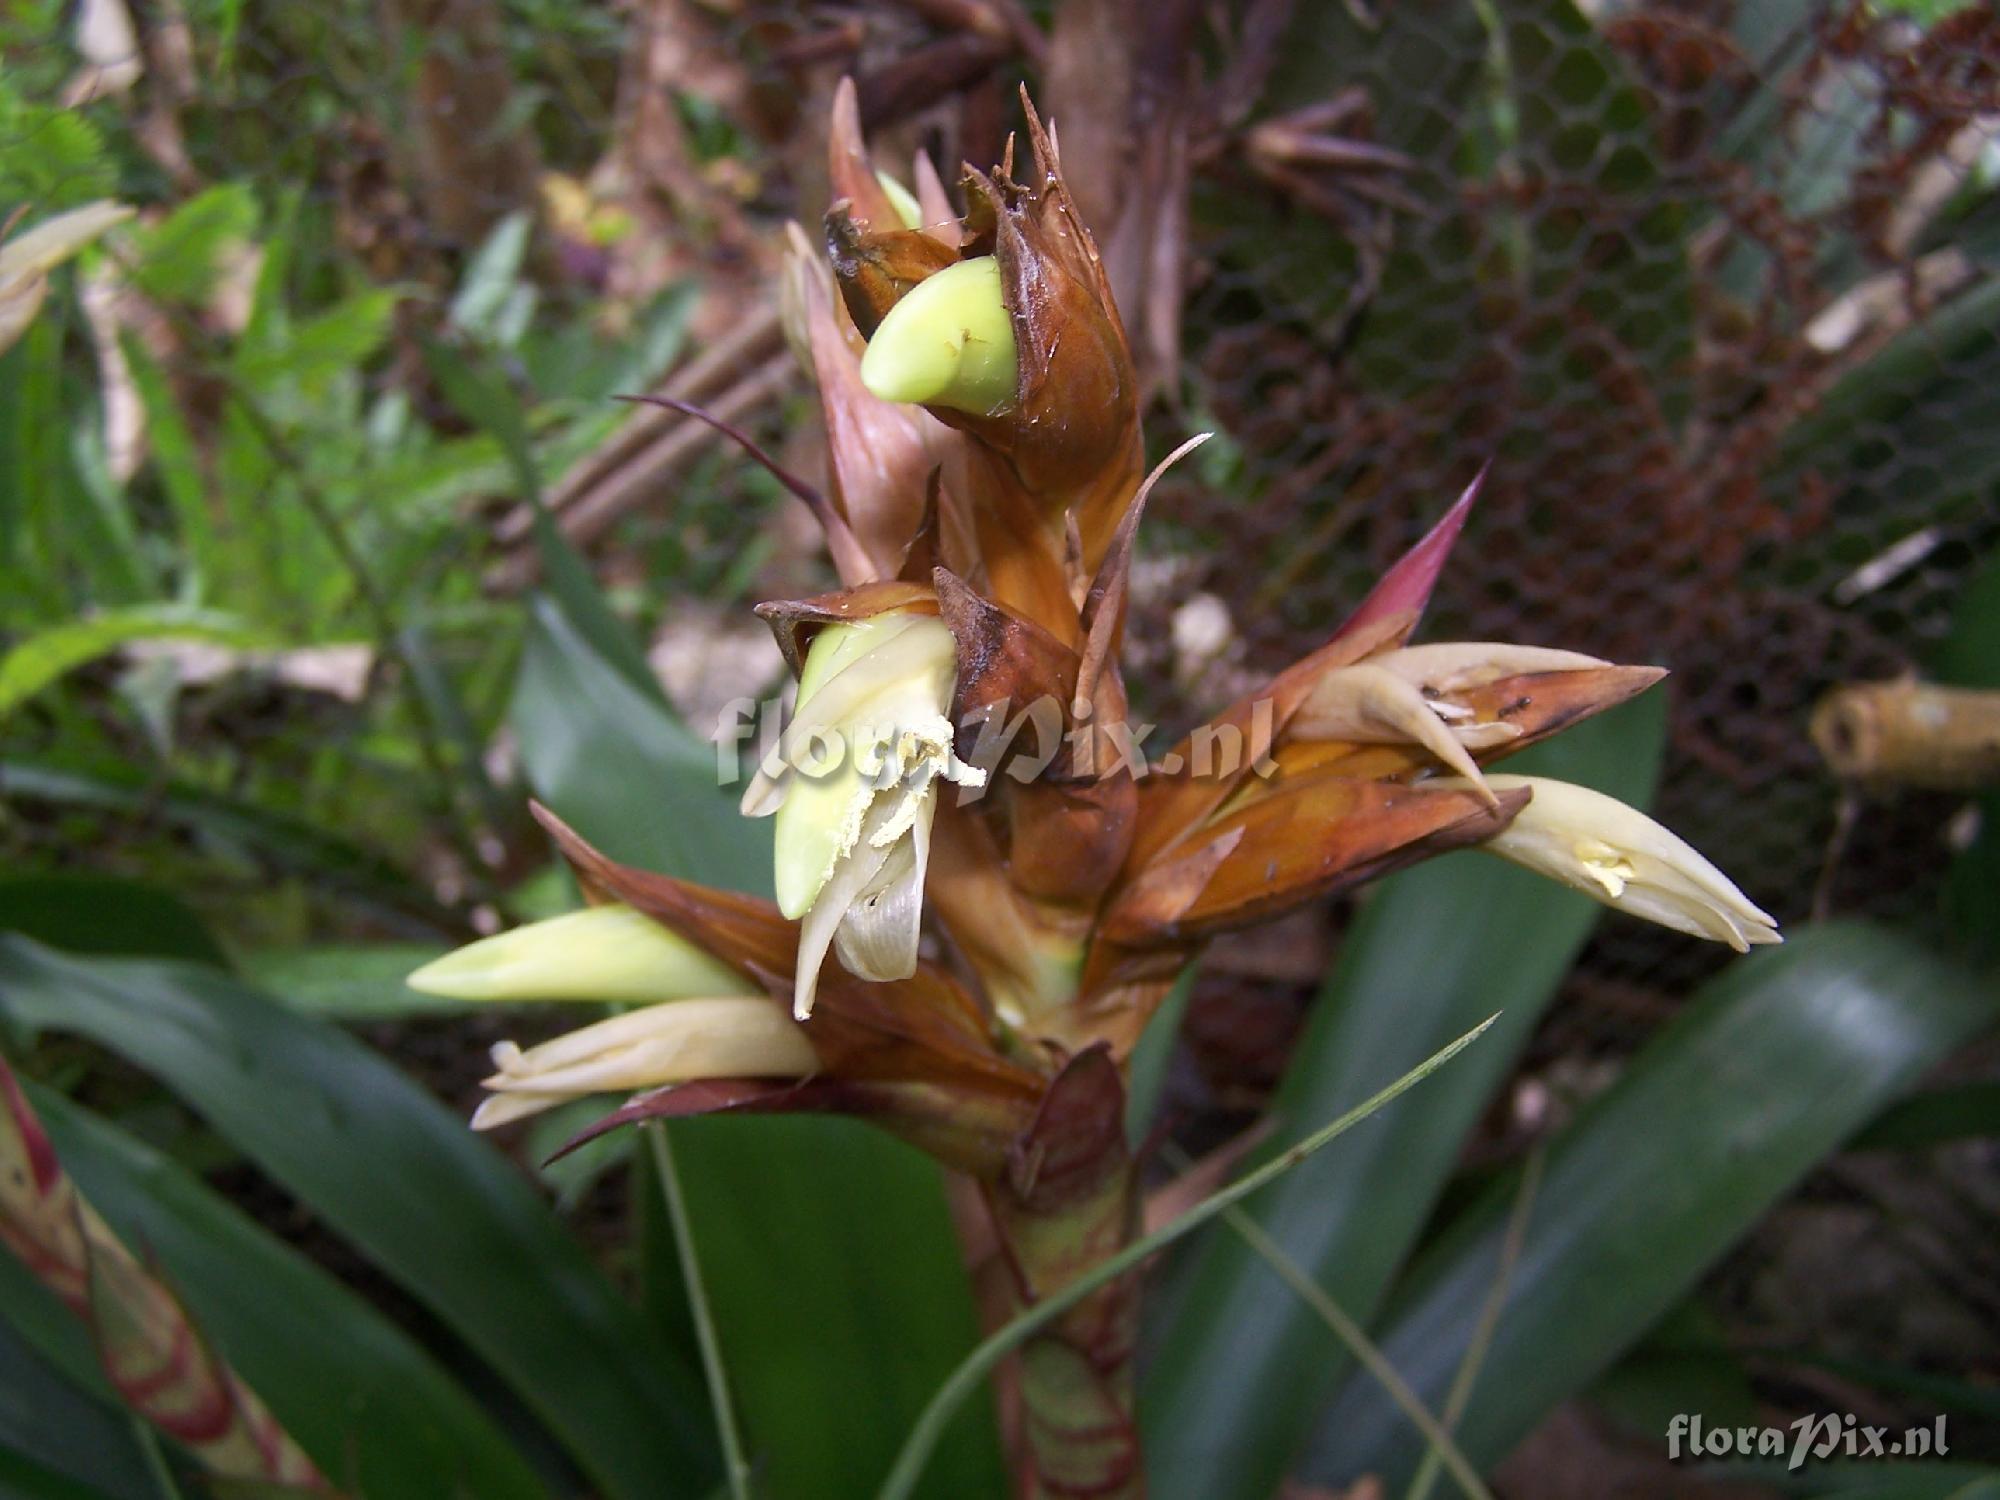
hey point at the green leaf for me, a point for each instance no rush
(1684, 1366)
(336, 341)
(485, 400)
(1863, 1479)
(288, 843)
(103, 914)
(48, 1426)
(1773, 1066)
(350, 981)
(46, 655)
(1146, 1075)
(491, 277)
(177, 461)
(1970, 655)
(45, 1325)
(1944, 1487)
(613, 760)
(50, 157)
(1241, 1371)
(1956, 1112)
(1921, 1390)
(374, 1411)
(447, 708)
(840, 1299)
(24, 1479)
(389, 1168)
(180, 257)
(1019, 1329)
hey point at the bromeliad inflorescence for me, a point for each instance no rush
(958, 763)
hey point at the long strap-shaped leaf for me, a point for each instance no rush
(59, 1438)
(1777, 1063)
(389, 1168)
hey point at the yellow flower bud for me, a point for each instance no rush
(948, 342)
(1618, 856)
(611, 954)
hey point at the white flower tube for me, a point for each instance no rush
(679, 1041)
(1618, 856)
(854, 786)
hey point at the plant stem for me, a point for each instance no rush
(1364, 1350)
(430, 744)
(996, 1346)
(735, 1465)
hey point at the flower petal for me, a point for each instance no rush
(877, 937)
(738, 1036)
(611, 954)
(1618, 856)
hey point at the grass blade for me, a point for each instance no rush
(735, 1466)
(1482, 1336)
(1356, 1341)
(1240, 1375)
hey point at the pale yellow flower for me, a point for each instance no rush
(854, 785)
(697, 1017)
(1617, 855)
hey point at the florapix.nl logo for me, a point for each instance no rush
(1810, 1439)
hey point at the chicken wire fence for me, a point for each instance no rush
(1710, 284)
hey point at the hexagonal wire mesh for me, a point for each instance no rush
(1690, 275)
